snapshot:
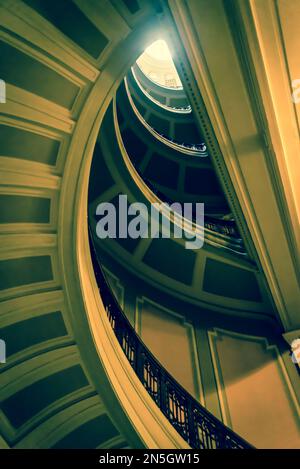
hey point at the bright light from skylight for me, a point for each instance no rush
(157, 64)
(159, 50)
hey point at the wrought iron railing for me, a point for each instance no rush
(185, 109)
(195, 149)
(193, 422)
(225, 227)
(147, 81)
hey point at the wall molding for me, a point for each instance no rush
(140, 303)
(216, 334)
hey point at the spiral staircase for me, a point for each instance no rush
(82, 124)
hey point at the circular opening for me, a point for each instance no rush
(157, 64)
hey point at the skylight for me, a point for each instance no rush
(159, 50)
(157, 64)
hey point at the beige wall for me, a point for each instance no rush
(254, 391)
(246, 380)
(171, 341)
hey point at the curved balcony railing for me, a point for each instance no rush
(225, 227)
(192, 421)
(219, 233)
(200, 149)
(163, 94)
(157, 84)
(178, 109)
(196, 149)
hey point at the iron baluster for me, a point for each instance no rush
(194, 423)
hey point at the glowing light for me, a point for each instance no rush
(157, 64)
(159, 50)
